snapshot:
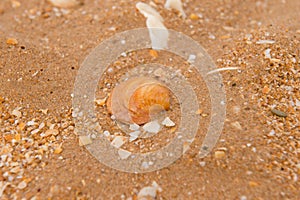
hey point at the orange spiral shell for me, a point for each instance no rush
(134, 100)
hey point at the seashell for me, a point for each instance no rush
(159, 34)
(135, 100)
(66, 3)
(147, 11)
(177, 5)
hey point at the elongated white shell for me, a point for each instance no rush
(159, 34)
(65, 3)
(147, 11)
(175, 4)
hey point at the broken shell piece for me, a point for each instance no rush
(149, 192)
(147, 10)
(118, 141)
(124, 154)
(135, 100)
(84, 140)
(177, 5)
(101, 102)
(134, 135)
(159, 34)
(66, 3)
(134, 127)
(168, 122)
(152, 127)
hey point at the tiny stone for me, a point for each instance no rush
(106, 133)
(159, 72)
(22, 185)
(30, 123)
(194, 16)
(243, 198)
(279, 113)
(12, 41)
(17, 113)
(253, 184)
(202, 164)
(58, 150)
(192, 58)
(272, 133)
(50, 132)
(153, 53)
(219, 154)
(266, 90)
(101, 102)
(237, 125)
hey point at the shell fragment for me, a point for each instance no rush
(159, 34)
(168, 122)
(177, 5)
(152, 127)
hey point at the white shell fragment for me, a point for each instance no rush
(124, 154)
(159, 34)
(16, 113)
(265, 42)
(134, 135)
(168, 122)
(222, 69)
(147, 11)
(134, 127)
(84, 140)
(118, 141)
(106, 133)
(149, 192)
(192, 58)
(177, 5)
(152, 127)
(65, 3)
(267, 53)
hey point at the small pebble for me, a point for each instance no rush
(279, 113)
(219, 154)
(194, 16)
(12, 41)
(22, 185)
